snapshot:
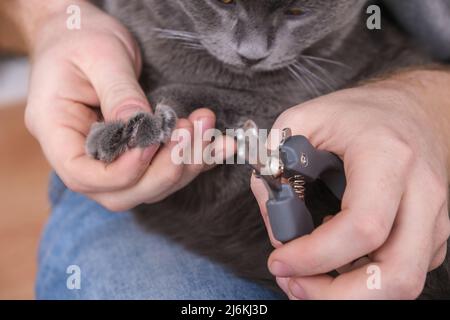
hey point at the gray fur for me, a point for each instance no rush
(247, 60)
(107, 141)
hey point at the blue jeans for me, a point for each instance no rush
(116, 259)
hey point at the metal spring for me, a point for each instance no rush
(298, 184)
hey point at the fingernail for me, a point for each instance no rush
(297, 290)
(128, 111)
(148, 153)
(280, 269)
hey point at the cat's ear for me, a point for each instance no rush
(106, 141)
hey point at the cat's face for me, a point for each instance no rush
(264, 35)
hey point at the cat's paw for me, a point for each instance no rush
(106, 141)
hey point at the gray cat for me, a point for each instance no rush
(245, 59)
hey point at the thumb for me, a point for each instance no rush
(115, 80)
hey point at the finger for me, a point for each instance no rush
(157, 182)
(63, 142)
(363, 224)
(221, 148)
(354, 265)
(115, 79)
(261, 195)
(400, 266)
(211, 147)
(203, 120)
(283, 283)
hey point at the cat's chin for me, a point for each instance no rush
(254, 70)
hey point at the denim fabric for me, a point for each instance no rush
(119, 260)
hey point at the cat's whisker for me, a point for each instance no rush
(335, 62)
(179, 39)
(311, 83)
(177, 33)
(322, 70)
(298, 77)
(192, 46)
(187, 39)
(307, 76)
(313, 76)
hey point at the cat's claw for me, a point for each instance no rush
(168, 120)
(107, 141)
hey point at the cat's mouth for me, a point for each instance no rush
(255, 70)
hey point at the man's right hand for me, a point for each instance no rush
(73, 71)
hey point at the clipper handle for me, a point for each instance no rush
(300, 157)
(288, 215)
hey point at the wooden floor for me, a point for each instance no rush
(23, 204)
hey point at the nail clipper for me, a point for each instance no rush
(286, 176)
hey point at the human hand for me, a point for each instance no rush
(395, 208)
(98, 65)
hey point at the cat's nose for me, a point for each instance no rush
(252, 55)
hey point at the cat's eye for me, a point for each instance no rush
(294, 12)
(227, 1)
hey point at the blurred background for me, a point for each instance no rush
(23, 174)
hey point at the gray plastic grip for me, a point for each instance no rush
(300, 157)
(288, 215)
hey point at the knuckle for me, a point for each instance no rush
(120, 88)
(393, 142)
(120, 92)
(372, 232)
(404, 151)
(285, 118)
